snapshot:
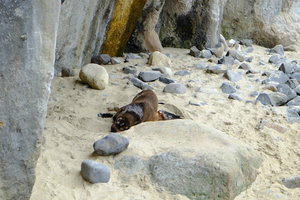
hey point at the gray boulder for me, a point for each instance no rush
(111, 144)
(285, 89)
(176, 88)
(274, 59)
(148, 76)
(205, 54)
(227, 88)
(95, 172)
(294, 102)
(194, 51)
(140, 84)
(292, 182)
(274, 98)
(27, 38)
(233, 76)
(286, 67)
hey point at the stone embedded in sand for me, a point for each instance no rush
(249, 59)
(217, 69)
(182, 73)
(274, 98)
(285, 89)
(277, 76)
(115, 61)
(292, 182)
(166, 80)
(176, 88)
(94, 75)
(236, 54)
(159, 59)
(278, 49)
(140, 84)
(167, 71)
(102, 59)
(274, 59)
(95, 172)
(254, 93)
(67, 72)
(200, 65)
(286, 67)
(132, 56)
(227, 88)
(233, 76)
(129, 70)
(194, 51)
(227, 60)
(244, 66)
(205, 54)
(246, 42)
(111, 144)
(148, 76)
(293, 114)
(235, 97)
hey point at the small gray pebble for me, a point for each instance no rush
(111, 144)
(227, 88)
(235, 97)
(95, 172)
(176, 88)
(166, 80)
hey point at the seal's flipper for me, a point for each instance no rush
(105, 115)
(164, 115)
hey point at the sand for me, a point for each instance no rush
(72, 126)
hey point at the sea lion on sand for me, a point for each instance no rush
(142, 108)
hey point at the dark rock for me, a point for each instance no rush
(274, 98)
(94, 172)
(244, 66)
(129, 70)
(246, 42)
(285, 89)
(216, 69)
(294, 102)
(176, 88)
(67, 72)
(194, 51)
(286, 67)
(233, 76)
(182, 73)
(140, 84)
(291, 182)
(111, 144)
(235, 97)
(249, 59)
(274, 59)
(102, 59)
(166, 80)
(27, 54)
(148, 76)
(227, 88)
(205, 54)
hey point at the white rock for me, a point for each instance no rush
(94, 75)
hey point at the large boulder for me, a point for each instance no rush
(27, 38)
(81, 32)
(267, 22)
(180, 24)
(189, 158)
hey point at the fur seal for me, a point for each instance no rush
(142, 108)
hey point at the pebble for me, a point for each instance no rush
(167, 71)
(274, 59)
(197, 104)
(244, 66)
(102, 59)
(231, 42)
(296, 76)
(285, 89)
(115, 61)
(292, 182)
(176, 88)
(132, 56)
(111, 144)
(227, 60)
(249, 59)
(194, 51)
(236, 54)
(129, 70)
(166, 80)
(297, 89)
(206, 54)
(95, 172)
(249, 49)
(235, 97)
(140, 84)
(227, 88)
(182, 73)
(246, 42)
(233, 76)
(277, 76)
(148, 76)
(278, 49)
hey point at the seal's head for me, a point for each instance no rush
(120, 123)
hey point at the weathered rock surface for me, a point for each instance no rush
(95, 172)
(94, 75)
(27, 38)
(198, 161)
(81, 32)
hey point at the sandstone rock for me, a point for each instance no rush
(111, 144)
(27, 38)
(159, 59)
(95, 172)
(197, 161)
(94, 75)
(176, 88)
(81, 31)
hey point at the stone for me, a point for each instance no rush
(129, 70)
(81, 32)
(121, 26)
(102, 59)
(285, 89)
(115, 61)
(111, 144)
(94, 172)
(291, 182)
(140, 84)
(218, 51)
(160, 60)
(294, 102)
(205, 54)
(286, 67)
(293, 114)
(249, 50)
(176, 88)
(297, 89)
(200, 65)
(216, 69)
(132, 56)
(254, 93)
(296, 76)
(251, 71)
(94, 75)
(274, 98)
(194, 51)
(227, 60)
(166, 80)
(231, 42)
(227, 88)
(197, 103)
(235, 97)
(277, 76)
(249, 59)
(244, 66)
(67, 72)
(236, 54)
(148, 76)
(233, 76)
(27, 54)
(246, 42)
(182, 73)
(274, 59)
(278, 49)
(292, 83)
(166, 71)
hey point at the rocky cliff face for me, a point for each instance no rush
(27, 38)
(267, 22)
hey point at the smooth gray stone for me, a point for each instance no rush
(94, 172)
(246, 42)
(286, 67)
(238, 55)
(115, 61)
(278, 49)
(129, 70)
(194, 51)
(132, 56)
(277, 76)
(111, 144)
(294, 102)
(166, 80)
(216, 69)
(297, 89)
(140, 84)
(227, 88)
(182, 73)
(235, 97)
(233, 76)
(102, 59)
(176, 88)
(285, 89)
(274, 59)
(274, 99)
(244, 66)
(291, 182)
(254, 93)
(148, 76)
(206, 54)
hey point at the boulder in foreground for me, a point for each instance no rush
(94, 75)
